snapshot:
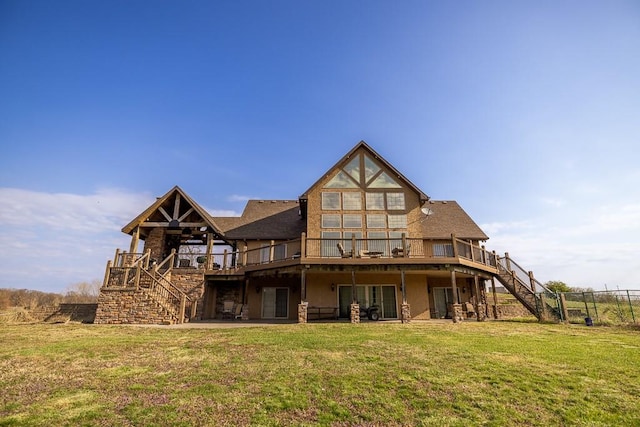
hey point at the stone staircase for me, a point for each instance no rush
(135, 292)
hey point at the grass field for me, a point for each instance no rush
(493, 373)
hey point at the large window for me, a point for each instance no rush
(376, 221)
(330, 221)
(375, 201)
(395, 201)
(352, 201)
(331, 201)
(397, 221)
(352, 221)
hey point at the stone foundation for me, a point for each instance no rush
(355, 313)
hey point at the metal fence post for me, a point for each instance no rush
(633, 317)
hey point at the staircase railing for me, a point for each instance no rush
(168, 295)
(537, 298)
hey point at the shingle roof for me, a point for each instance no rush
(265, 219)
(447, 218)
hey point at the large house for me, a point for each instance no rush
(362, 241)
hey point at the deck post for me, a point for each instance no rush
(495, 297)
(303, 285)
(507, 261)
(456, 308)
(303, 245)
(454, 245)
(107, 273)
(404, 245)
(224, 260)
(271, 250)
(135, 238)
(115, 258)
(209, 251)
(480, 317)
(354, 313)
(405, 309)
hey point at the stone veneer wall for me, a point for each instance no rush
(130, 306)
(72, 312)
(154, 242)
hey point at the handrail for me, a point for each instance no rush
(508, 263)
(173, 298)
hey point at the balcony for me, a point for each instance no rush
(315, 251)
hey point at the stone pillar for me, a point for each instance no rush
(405, 312)
(302, 312)
(355, 313)
(456, 313)
(245, 312)
(482, 312)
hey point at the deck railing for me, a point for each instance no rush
(357, 249)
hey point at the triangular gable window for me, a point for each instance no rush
(370, 169)
(353, 168)
(384, 181)
(362, 172)
(341, 180)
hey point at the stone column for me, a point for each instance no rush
(355, 313)
(406, 312)
(302, 312)
(456, 313)
(245, 312)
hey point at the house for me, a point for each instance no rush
(362, 241)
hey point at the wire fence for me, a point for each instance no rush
(601, 307)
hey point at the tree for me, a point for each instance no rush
(83, 292)
(557, 286)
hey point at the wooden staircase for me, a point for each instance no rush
(534, 296)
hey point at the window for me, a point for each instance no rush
(375, 201)
(376, 221)
(330, 221)
(331, 201)
(395, 201)
(265, 253)
(351, 201)
(352, 221)
(397, 221)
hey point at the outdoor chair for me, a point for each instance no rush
(471, 312)
(237, 314)
(227, 309)
(343, 253)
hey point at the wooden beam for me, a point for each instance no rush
(166, 224)
(403, 287)
(176, 207)
(303, 285)
(164, 213)
(186, 214)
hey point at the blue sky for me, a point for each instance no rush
(526, 113)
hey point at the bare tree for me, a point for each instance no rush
(83, 292)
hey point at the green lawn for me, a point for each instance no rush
(493, 373)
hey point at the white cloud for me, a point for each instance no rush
(240, 198)
(51, 240)
(586, 249)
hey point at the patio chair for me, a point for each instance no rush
(237, 314)
(343, 253)
(469, 309)
(227, 309)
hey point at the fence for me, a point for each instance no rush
(603, 307)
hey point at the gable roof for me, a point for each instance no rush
(186, 213)
(363, 145)
(265, 219)
(447, 218)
